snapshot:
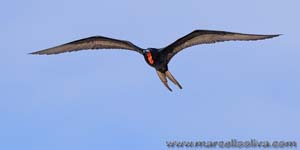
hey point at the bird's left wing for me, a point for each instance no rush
(208, 36)
(95, 42)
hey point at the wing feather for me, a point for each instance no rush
(95, 42)
(206, 37)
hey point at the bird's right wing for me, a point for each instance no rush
(95, 42)
(206, 37)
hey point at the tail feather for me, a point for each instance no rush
(162, 77)
(170, 77)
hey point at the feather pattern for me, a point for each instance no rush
(95, 42)
(206, 37)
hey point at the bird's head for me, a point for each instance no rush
(145, 51)
(153, 50)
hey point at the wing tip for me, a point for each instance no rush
(43, 52)
(275, 35)
(33, 53)
(271, 36)
(37, 53)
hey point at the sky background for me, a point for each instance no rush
(114, 100)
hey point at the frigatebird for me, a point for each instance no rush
(157, 58)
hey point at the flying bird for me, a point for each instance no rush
(157, 58)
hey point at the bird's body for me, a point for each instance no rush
(156, 58)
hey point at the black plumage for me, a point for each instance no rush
(157, 58)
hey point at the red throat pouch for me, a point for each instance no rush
(150, 59)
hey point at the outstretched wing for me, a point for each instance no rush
(207, 36)
(95, 42)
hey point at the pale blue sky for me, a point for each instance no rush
(114, 100)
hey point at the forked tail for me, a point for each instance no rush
(163, 77)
